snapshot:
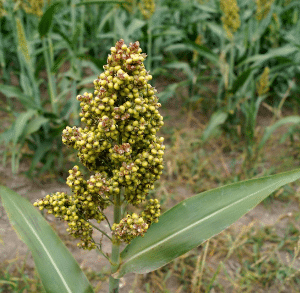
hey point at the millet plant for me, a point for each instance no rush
(119, 146)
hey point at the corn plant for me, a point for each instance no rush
(120, 147)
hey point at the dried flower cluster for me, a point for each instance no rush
(119, 144)
(231, 18)
(262, 86)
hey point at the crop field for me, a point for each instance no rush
(227, 75)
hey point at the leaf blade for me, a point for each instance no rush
(269, 130)
(46, 20)
(209, 212)
(53, 260)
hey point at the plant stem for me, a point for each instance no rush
(52, 89)
(231, 69)
(149, 45)
(115, 254)
(99, 230)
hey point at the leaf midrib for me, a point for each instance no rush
(196, 223)
(44, 247)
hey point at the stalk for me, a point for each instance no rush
(115, 253)
(231, 67)
(52, 90)
(149, 45)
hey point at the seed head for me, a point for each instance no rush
(118, 145)
(147, 7)
(230, 19)
(263, 8)
(262, 86)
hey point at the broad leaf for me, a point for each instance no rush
(58, 270)
(196, 219)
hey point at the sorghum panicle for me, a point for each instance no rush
(231, 18)
(263, 8)
(3, 12)
(119, 144)
(262, 86)
(147, 7)
(34, 7)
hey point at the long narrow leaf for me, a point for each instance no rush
(34, 125)
(101, 2)
(57, 268)
(20, 125)
(281, 122)
(272, 53)
(46, 20)
(15, 92)
(217, 119)
(195, 220)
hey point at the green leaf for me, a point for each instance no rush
(271, 129)
(20, 125)
(40, 152)
(101, 2)
(196, 219)
(46, 20)
(14, 92)
(135, 24)
(273, 53)
(168, 93)
(58, 270)
(185, 67)
(217, 119)
(87, 80)
(201, 50)
(240, 81)
(26, 84)
(34, 125)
